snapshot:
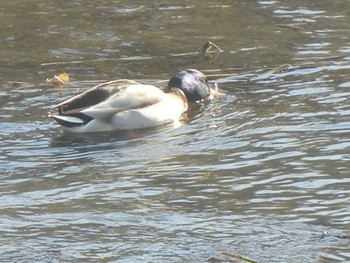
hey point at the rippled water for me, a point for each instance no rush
(262, 173)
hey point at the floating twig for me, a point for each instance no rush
(279, 69)
(276, 70)
(67, 62)
(210, 47)
(211, 50)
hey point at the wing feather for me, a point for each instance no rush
(93, 96)
(133, 97)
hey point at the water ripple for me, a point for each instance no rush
(267, 162)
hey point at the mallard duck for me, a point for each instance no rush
(127, 104)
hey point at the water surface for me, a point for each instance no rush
(262, 173)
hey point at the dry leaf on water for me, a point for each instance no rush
(58, 81)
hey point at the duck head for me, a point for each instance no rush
(193, 83)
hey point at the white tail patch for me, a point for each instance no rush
(68, 119)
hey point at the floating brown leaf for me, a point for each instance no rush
(58, 81)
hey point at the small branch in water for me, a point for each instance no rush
(220, 75)
(89, 61)
(66, 62)
(209, 46)
(211, 50)
(279, 69)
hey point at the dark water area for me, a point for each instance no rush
(262, 172)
